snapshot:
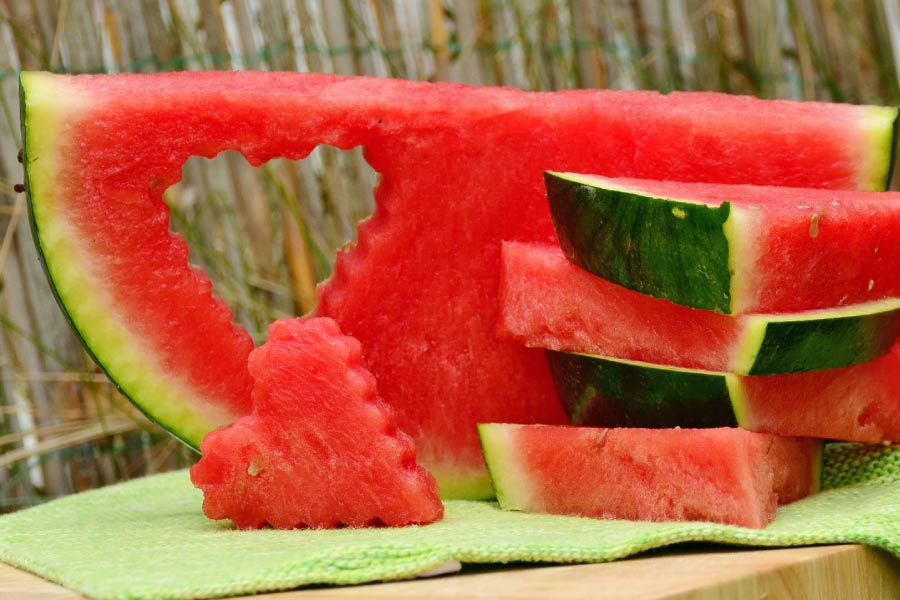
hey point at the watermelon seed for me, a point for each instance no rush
(601, 439)
(804, 206)
(814, 226)
(21, 155)
(843, 299)
(19, 188)
(254, 469)
(871, 284)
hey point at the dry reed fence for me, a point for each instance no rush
(267, 235)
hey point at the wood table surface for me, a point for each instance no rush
(694, 572)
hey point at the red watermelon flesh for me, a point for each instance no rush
(859, 403)
(461, 169)
(320, 448)
(546, 301)
(722, 475)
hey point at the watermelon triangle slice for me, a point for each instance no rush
(721, 475)
(320, 448)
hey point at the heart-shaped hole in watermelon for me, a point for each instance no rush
(266, 235)
(175, 337)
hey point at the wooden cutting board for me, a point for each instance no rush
(688, 573)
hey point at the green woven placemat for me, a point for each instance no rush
(149, 539)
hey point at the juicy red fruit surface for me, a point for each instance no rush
(858, 404)
(461, 169)
(721, 475)
(547, 301)
(320, 448)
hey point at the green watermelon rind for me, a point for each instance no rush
(510, 488)
(472, 486)
(881, 171)
(816, 340)
(639, 394)
(729, 408)
(184, 419)
(689, 252)
(615, 233)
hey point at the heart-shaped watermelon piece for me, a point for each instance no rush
(320, 449)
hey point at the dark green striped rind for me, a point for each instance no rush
(890, 144)
(660, 247)
(46, 102)
(611, 393)
(792, 346)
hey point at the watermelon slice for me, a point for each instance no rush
(855, 404)
(863, 402)
(320, 448)
(461, 169)
(548, 302)
(721, 475)
(732, 249)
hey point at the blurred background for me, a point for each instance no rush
(266, 236)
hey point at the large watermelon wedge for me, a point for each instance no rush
(460, 170)
(731, 248)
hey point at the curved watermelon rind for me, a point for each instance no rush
(625, 393)
(176, 431)
(186, 420)
(672, 241)
(454, 484)
(503, 474)
(732, 400)
(882, 172)
(817, 340)
(614, 233)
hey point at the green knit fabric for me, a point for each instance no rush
(149, 539)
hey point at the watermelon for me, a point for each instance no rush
(862, 402)
(320, 448)
(854, 404)
(548, 302)
(461, 169)
(732, 249)
(722, 475)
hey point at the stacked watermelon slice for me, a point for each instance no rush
(687, 305)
